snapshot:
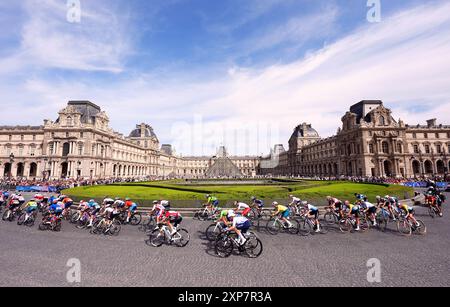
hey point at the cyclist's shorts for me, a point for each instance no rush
(315, 213)
(31, 209)
(244, 227)
(285, 213)
(411, 211)
(133, 208)
(260, 205)
(176, 221)
(95, 211)
(372, 210)
(68, 204)
(215, 203)
(355, 212)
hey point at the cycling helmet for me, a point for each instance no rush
(328, 197)
(253, 198)
(231, 214)
(387, 196)
(155, 202)
(304, 203)
(127, 199)
(291, 196)
(275, 203)
(208, 196)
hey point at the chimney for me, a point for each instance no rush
(431, 123)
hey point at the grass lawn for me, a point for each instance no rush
(184, 195)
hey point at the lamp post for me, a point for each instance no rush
(444, 158)
(11, 161)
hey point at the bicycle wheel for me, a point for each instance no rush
(157, 238)
(43, 226)
(345, 225)
(21, 219)
(364, 224)
(181, 238)
(224, 246)
(404, 227)
(304, 228)
(253, 246)
(136, 219)
(57, 226)
(421, 229)
(431, 211)
(265, 214)
(330, 218)
(212, 232)
(323, 229)
(273, 226)
(115, 228)
(30, 221)
(5, 215)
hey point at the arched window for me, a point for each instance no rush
(399, 147)
(382, 121)
(69, 121)
(385, 147)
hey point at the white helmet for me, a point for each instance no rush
(304, 203)
(275, 203)
(231, 214)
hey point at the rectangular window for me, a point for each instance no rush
(416, 149)
(438, 148)
(437, 135)
(22, 137)
(80, 149)
(34, 137)
(51, 146)
(81, 135)
(10, 137)
(427, 149)
(32, 150)
(425, 135)
(414, 135)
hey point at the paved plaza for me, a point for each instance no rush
(30, 257)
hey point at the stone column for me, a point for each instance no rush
(2, 169)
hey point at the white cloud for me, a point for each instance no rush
(403, 61)
(48, 40)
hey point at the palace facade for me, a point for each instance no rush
(80, 144)
(369, 143)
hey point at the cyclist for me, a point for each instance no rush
(240, 225)
(68, 202)
(283, 212)
(223, 216)
(94, 208)
(335, 204)
(369, 210)
(211, 202)
(361, 197)
(172, 219)
(386, 205)
(131, 210)
(312, 212)
(409, 213)
(241, 208)
(258, 204)
(353, 210)
(30, 208)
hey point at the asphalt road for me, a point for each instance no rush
(30, 257)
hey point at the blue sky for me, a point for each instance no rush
(205, 73)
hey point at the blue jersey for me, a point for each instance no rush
(55, 208)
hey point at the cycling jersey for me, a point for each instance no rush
(133, 207)
(311, 207)
(108, 201)
(241, 206)
(405, 207)
(281, 208)
(56, 208)
(119, 203)
(213, 201)
(367, 205)
(241, 222)
(172, 214)
(296, 200)
(353, 208)
(128, 204)
(259, 203)
(31, 206)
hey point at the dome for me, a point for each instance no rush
(143, 131)
(305, 130)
